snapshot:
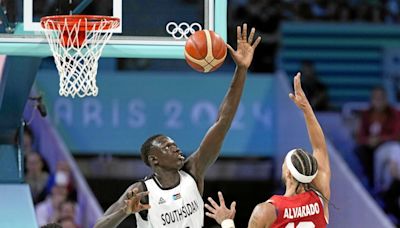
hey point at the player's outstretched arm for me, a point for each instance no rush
(128, 203)
(211, 144)
(317, 139)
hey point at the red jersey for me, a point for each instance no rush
(304, 210)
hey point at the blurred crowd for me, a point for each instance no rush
(375, 11)
(53, 193)
(378, 150)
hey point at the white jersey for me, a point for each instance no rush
(178, 207)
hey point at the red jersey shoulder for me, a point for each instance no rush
(304, 208)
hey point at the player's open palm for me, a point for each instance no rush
(220, 212)
(132, 203)
(245, 47)
(299, 97)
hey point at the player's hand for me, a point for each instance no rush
(245, 47)
(299, 98)
(220, 212)
(132, 202)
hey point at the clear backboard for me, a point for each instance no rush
(143, 32)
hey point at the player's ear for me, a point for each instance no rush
(288, 175)
(153, 159)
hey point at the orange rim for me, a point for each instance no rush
(92, 22)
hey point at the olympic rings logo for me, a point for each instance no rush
(182, 30)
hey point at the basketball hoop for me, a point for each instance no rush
(77, 42)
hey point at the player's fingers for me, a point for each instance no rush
(130, 194)
(297, 84)
(244, 33)
(291, 96)
(144, 206)
(233, 206)
(142, 194)
(251, 36)
(238, 33)
(208, 214)
(213, 203)
(221, 199)
(297, 81)
(128, 204)
(208, 207)
(258, 40)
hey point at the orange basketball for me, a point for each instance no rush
(205, 51)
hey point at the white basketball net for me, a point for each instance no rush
(77, 63)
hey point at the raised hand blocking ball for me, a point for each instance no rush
(205, 51)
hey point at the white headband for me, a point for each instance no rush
(295, 173)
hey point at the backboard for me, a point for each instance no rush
(143, 32)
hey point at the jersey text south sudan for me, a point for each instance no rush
(179, 207)
(181, 213)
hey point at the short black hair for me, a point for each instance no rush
(146, 146)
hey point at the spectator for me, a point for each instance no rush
(386, 161)
(392, 195)
(69, 210)
(63, 177)
(392, 10)
(314, 89)
(68, 223)
(36, 176)
(379, 124)
(28, 140)
(340, 10)
(48, 210)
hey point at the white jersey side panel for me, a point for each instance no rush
(179, 207)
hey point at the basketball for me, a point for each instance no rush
(205, 51)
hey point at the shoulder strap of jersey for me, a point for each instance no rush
(188, 173)
(319, 195)
(274, 201)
